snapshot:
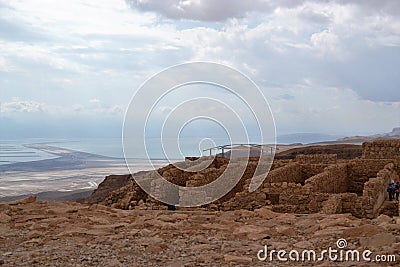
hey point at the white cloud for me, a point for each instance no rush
(21, 106)
(94, 100)
(327, 44)
(332, 110)
(71, 51)
(5, 66)
(40, 54)
(97, 107)
(94, 108)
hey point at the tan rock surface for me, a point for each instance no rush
(72, 234)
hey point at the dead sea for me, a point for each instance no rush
(70, 172)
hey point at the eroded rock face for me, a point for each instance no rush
(72, 234)
(110, 184)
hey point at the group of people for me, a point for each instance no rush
(393, 190)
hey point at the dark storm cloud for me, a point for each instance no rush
(391, 7)
(206, 10)
(211, 10)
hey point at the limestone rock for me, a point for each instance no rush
(285, 230)
(363, 231)
(378, 240)
(265, 213)
(237, 259)
(27, 200)
(303, 245)
(383, 219)
(4, 218)
(80, 235)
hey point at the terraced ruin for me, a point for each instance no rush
(306, 184)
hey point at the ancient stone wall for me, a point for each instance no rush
(273, 190)
(333, 205)
(309, 170)
(361, 170)
(317, 158)
(344, 203)
(381, 149)
(374, 192)
(354, 204)
(289, 173)
(332, 180)
(299, 200)
(308, 184)
(328, 192)
(294, 173)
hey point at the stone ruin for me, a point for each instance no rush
(307, 184)
(318, 183)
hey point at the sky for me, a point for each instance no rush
(70, 68)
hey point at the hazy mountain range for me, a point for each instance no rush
(394, 134)
(307, 138)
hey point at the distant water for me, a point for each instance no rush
(35, 177)
(12, 151)
(110, 147)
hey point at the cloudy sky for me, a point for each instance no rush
(70, 68)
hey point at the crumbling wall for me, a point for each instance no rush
(361, 170)
(374, 192)
(300, 200)
(332, 180)
(329, 192)
(309, 170)
(317, 158)
(352, 203)
(273, 190)
(333, 205)
(294, 173)
(381, 149)
(289, 173)
(344, 203)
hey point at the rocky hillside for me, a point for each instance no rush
(110, 183)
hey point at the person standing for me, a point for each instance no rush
(389, 190)
(393, 189)
(397, 191)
